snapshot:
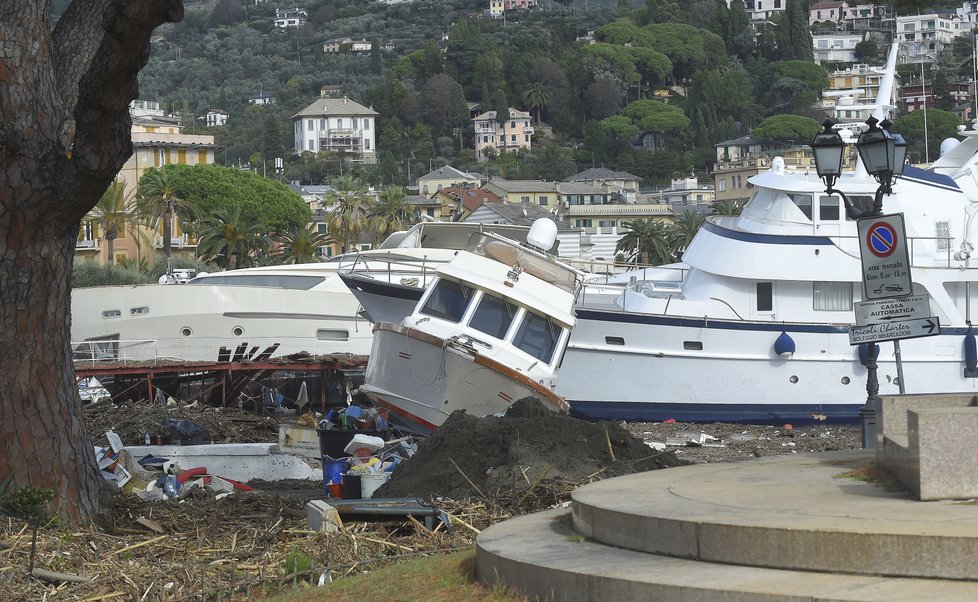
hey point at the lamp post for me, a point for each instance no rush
(883, 154)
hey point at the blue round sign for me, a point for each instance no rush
(881, 239)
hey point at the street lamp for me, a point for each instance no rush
(883, 154)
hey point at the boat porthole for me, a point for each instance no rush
(185, 331)
(793, 379)
(845, 380)
(237, 331)
(446, 402)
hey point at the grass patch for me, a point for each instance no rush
(438, 578)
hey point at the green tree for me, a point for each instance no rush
(647, 242)
(552, 162)
(655, 116)
(727, 207)
(867, 51)
(793, 34)
(788, 128)
(115, 213)
(229, 240)
(263, 201)
(376, 57)
(390, 213)
(683, 229)
(501, 106)
(300, 244)
(351, 211)
(739, 33)
(940, 125)
(158, 203)
(537, 96)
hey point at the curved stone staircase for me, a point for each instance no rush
(806, 527)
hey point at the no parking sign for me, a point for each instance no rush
(886, 263)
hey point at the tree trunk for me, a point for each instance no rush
(64, 134)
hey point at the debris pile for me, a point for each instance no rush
(528, 449)
(134, 421)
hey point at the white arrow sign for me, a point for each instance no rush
(881, 311)
(892, 331)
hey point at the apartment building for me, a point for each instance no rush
(502, 136)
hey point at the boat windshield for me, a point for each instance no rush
(537, 336)
(493, 316)
(302, 283)
(448, 300)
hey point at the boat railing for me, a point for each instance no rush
(924, 251)
(114, 351)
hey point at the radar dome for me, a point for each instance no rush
(948, 145)
(542, 234)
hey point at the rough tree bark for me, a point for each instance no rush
(64, 134)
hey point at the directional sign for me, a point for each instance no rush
(886, 263)
(892, 331)
(882, 311)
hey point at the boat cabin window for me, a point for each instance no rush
(832, 296)
(828, 207)
(537, 336)
(493, 316)
(804, 203)
(765, 296)
(448, 300)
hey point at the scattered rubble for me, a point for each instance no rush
(724, 442)
(134, 421)
(252, 545)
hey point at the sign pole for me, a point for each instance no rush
(867, 412)
(899, 365)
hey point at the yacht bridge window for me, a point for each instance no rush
(493, 316)
(765, 296)
(448, 300)
(302, 283)
(537, 336)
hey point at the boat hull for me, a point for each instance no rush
(213, 323)
(712, 370)
(422, 379)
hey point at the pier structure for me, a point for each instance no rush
(224, 382)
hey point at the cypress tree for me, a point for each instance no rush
(485, 103)
(739, 34)
(376, 59)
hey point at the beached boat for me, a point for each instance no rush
(490, 329)
(257, 313)
(753, 325)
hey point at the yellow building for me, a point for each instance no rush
(157, 140)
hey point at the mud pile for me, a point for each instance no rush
(512, 452)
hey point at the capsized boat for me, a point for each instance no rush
(491, 328)
(257, 313)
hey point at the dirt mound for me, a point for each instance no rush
(510, 453)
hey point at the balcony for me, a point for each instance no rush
(617, 210)
(177, 242)
(90, 244)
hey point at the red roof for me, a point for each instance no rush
(471, 197)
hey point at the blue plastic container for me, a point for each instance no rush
(333, 471)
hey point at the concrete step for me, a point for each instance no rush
(790, 512)
(541, 556)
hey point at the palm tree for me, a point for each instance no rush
(300, 244)
(114, 213)
(389, 213)
(228, 241)
(684, 228)
(537, 96)
(647, 241)
(157, 202)
(727, 207)
(351, 210)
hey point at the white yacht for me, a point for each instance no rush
(490, 329)
(256, 313)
